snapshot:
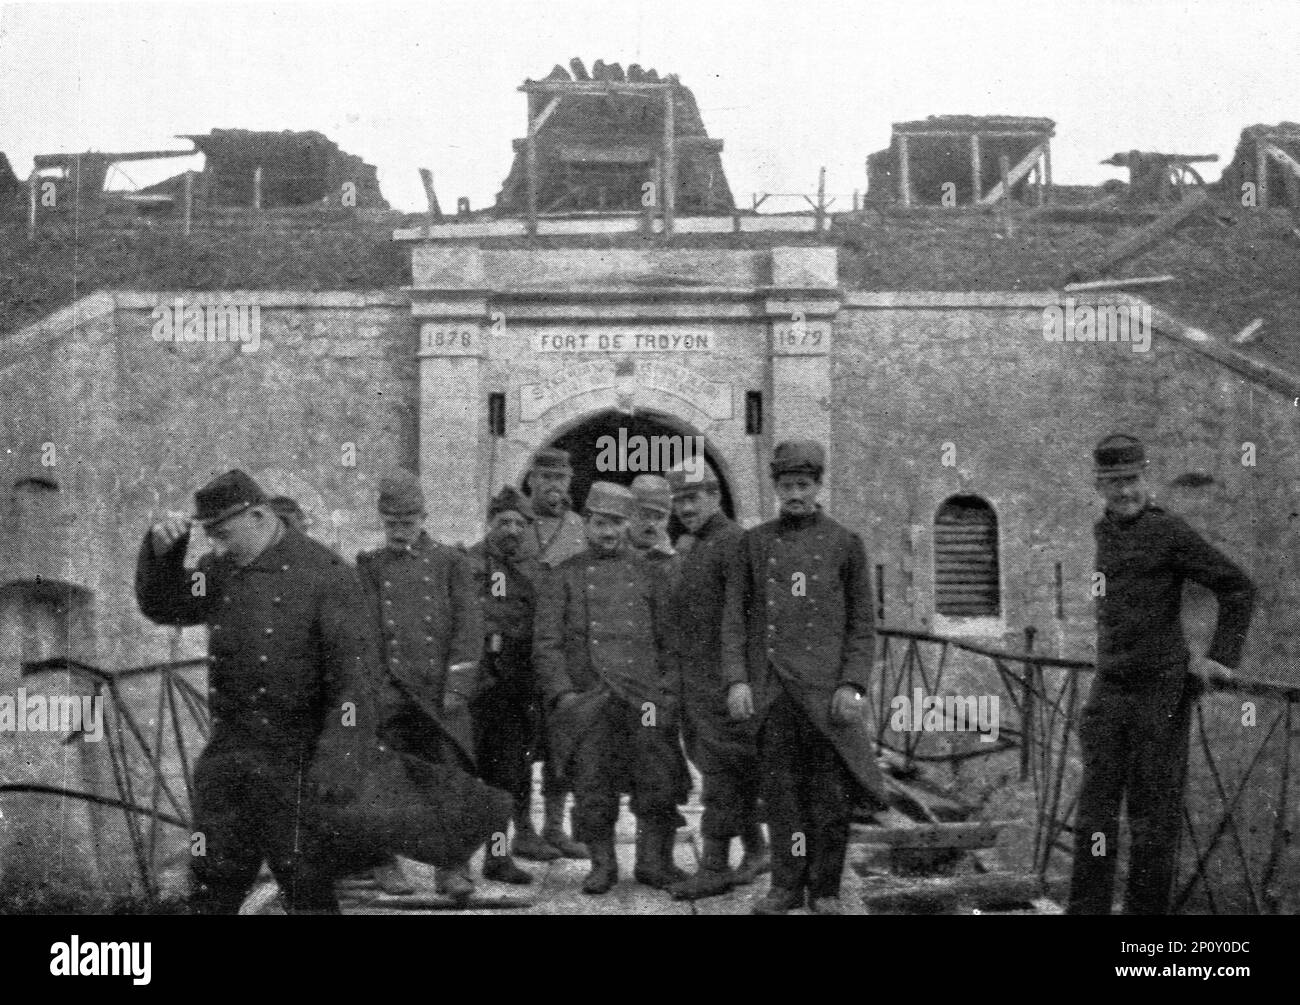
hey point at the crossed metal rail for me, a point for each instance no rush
(1042, 691)
(1044, 694)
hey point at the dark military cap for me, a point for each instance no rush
(611, 500)
(684, 481)
(510, 499)
(1118, 456)
(798, 457)
(653, 492)
(552, 459)
(226, 496)
(400, 494)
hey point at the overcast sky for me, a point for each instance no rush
(789, 85)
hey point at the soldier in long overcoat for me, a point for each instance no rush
(604, 661)
(724, 750)
(292, 649)
(555, 534)
(425, 605)
(1135, 724)
(505, 711)
(798, 644)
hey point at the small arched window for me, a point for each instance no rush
(966, 576)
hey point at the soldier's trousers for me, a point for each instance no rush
(1134, 743)
(729, 795)
(248, 808)
(504, 727)
(808, 794)
(616, 753)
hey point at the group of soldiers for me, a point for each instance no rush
(599, 647)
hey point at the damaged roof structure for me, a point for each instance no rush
(595, 139)
(1268, 157)
(297, 169)
(963, 151)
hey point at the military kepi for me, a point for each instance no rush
(400, 494)
(552, 459)
(1119, 455)
(653, 493)
(510, 499)
(226, 496)
(798, 457)
(610, 500)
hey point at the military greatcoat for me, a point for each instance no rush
(797, 618)
(426, 606)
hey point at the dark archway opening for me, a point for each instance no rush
(583, 444)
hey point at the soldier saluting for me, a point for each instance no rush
(1135, 724)
(291, 645)
(798, 642)
(604, 660)
(424, 602)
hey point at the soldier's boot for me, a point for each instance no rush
(528, 843)
(714, 876)
(390, 878)
(553, 830)
(670, 848)
(650, 866)
(758, 857)
(604, 866)
(453, 881)
(503, 869)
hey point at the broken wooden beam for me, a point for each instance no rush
(1013, 176)
(1161, 227)
(989, 892)
(1116, 284)
(979, 834)
(1248, 333)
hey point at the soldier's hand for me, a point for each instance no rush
(1207, 669)
(740, 701)
(846, 705)
(166, 533)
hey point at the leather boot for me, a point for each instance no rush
(650, 866)
(553, 830)
(669, 856)
(390, 878)
(503, 869)
(528, 843)
(453, 881)
(714, 876)
(604, 867)
(757, 859)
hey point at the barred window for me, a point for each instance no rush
(966, 578)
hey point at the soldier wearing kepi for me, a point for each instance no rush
(556, 534)
(723, 749)
(290, 644)
(431, 629)
(798, 642)
(1135, 724)
(604, 660)
(505, 711)
(648, 529)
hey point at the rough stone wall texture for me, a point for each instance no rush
(137, 425)
(1023, 414)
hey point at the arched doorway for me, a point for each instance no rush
(582, 441)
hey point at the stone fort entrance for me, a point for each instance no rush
(584, 443)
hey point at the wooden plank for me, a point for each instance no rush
(981, 834)
(987, 892)
(1013, 176)
(1261, 175)
(1159, 228)
(669, 178)
(904, 172)
(1248, 333)
(535, 126)
(976, 171)
(1117, 284)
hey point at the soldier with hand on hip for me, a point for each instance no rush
(1135, 724)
